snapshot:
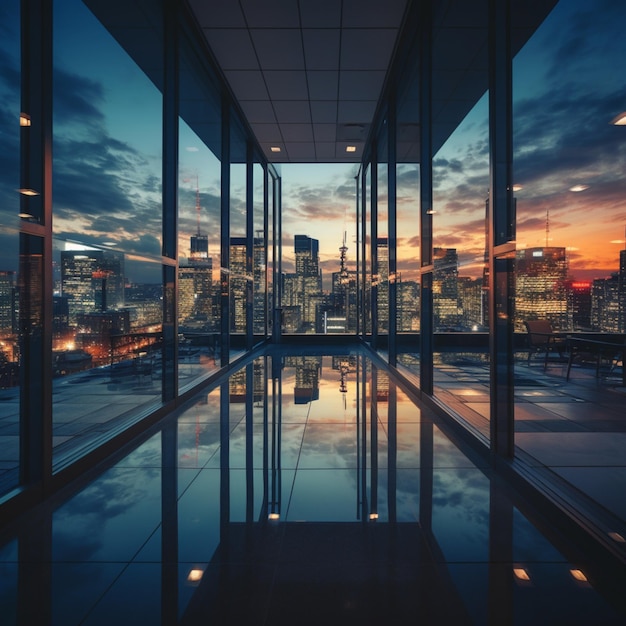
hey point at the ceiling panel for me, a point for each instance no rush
(278, 48)
(233, 48)
(271, 13)
(301, 151)
(258, 111)
(372, 13)
(247, 85)
(218, 13)
(286, 85)
(297, 132)
(320, 13)
(360, 85)
(292, 112)
(367, 48)
(324, 112)
(323, 85)
(321, 48)
(325, 132)
(356, 111)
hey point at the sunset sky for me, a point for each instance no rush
(568, 87)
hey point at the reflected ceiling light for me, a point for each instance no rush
(24, 119)
(273, 516)
(109, 243)
(617, 537)
(619, 120)
(274, 148)
(577, 188)
(28, 192)
(25, 216)
(195, 575)
(430, 212)
(373, 517)
(192, 149)
(517, 187)
(578, 575)
(350, 148)
(521, 574)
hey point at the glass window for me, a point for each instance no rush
(107, 208)
(460, 191)
(11, 205)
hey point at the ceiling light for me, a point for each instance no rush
(521, 574)
(195, 575)
(620, 120)
(25, 216)
(350, 148)
(273, 516)
(24, 119)
(28, 192)
(617, 537)
(373, 517)
(517, 187)
(577, 188)
(578, 575)
(274, 148)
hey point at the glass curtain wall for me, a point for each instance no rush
(107, 206)
(238, 276)
(13, 121)
(380, 274)
(569, 172)
(460, 192)
(199, 219)
(259, 253)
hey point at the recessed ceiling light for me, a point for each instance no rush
(620, 120)
(274, 148)
(28, 192)
(577, 188)
(517, 187)
(521, 574)
(25, 216)
(24, 119)
(195, 575)
(578, 575)
(350, 148)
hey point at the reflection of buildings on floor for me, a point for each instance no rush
(307, 516)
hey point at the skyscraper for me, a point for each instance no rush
(92, 280)
(308, 279)
(238, 285)
(540, 292)
(446, 305)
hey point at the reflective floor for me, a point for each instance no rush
(304, 489)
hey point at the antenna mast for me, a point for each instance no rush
(547, 227)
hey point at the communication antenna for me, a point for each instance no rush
(198, 204)
(547, 227)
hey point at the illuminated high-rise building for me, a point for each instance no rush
(382, 246)
(92, 280)
(238, 285)
(308, 280)
(446, 305)
(196, 299)
(541, 287)
(8, 303)
(605, 306)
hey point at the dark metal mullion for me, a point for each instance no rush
(249, 245)
(374, 244)
(426, 202)
(35, 264)
(225, 236)
(392, 230)
(501, 225)
(169, 349)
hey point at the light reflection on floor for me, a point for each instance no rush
(305, 489)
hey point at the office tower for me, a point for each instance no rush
(238, 285)
(446, 306)
(308, 280)
(259, 277)
(382, 246)
(540, 291)
(579, 294)
(622, 291)
(196, 300)
(307, 384)
(408, 295)
(8, 303)
(92, 280)
(605, 309)
(471, 300)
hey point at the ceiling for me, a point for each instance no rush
(307, 74)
